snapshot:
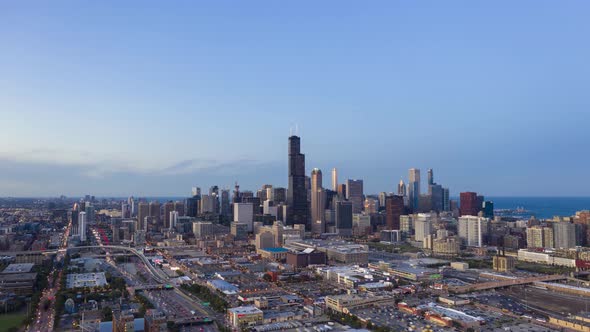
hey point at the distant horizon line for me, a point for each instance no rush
(187, 196)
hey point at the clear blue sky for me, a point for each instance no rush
(153, 97)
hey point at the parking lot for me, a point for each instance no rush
(392, 317)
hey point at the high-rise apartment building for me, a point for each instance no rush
(143, 211)
(539, 237)
(202, 229)
(422, 227)
(244, 214)
(154, 212)
(173, 220)
(564, 235)
(354, 193)
(473, 230)
(207, 204)
(167, 207)
(297, 193)
(82, 225)
(179, 207)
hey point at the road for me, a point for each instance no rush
(45, 318)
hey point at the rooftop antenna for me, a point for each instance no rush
(290, 131)
(296, 130)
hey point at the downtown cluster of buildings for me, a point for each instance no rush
(308, 208)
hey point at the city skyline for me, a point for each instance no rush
(119, 102)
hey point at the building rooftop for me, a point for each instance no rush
(18, 268)
(245, 310)
(224, 286)
(275, 250)
(86, 280)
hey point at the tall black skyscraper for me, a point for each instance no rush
(297, 210)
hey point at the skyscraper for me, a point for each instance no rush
(564, 235)
(539, 237)
(334, 179)
(344, 218)
(354, 193)
(468, 204)
(279, 195)
(196, 191)
(82, 226)
(244, 214)
(168, 207)
(317, 202)
(446, 200)
(394, 208)
(430, 177)
(225, 202)
(401, 188)
(297, 193)
(472, 230)
(192, 206)
(414, 189)
(143, 210)
(173, 219)
(436, 193)
(488, 209)
(154, 212)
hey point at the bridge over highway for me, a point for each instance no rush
(158, 275)
(503, 283)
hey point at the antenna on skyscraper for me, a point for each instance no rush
(296, 130)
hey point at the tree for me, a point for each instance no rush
(107, 314)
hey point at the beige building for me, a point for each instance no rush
(504, 263)
(539, 237)
(240, 317)
(265, 239)
(202, 229)
(449, 246)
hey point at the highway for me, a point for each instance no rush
(156, 273)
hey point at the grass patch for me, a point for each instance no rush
(11, 322)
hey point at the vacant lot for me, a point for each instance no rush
(9, 321)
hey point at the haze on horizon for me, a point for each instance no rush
(116, 99)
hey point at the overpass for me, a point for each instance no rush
(503, 283)
(156, 273)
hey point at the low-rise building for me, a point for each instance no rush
(244, 316)
(543, 257)
(277, 254)
(81, 280)
(345, 303)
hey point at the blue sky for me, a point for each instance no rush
(151, 98)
